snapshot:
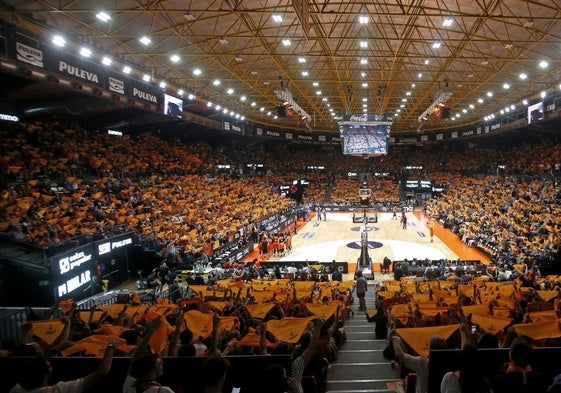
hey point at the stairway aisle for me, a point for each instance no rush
(361, 367)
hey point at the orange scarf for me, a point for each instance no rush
(513, 368)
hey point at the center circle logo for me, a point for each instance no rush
(371, 245)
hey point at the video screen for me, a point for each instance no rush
(535, 112)
(173, 106)
(364, 139)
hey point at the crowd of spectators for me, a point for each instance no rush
(224, 314)
(64, 183)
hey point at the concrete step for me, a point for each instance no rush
(363, 343)
(371, 355)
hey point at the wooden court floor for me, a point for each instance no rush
(339, 239)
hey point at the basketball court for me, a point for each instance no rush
(338, 238)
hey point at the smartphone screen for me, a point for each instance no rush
(236, 390)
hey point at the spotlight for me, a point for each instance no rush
(53, 79)
(98, 92)
(78, 86)
(132, 102)
(116, 98)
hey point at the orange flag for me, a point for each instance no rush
(262, 297)
(47, 330)
(322, 311)
(288, 329)
(539, 330)
(489, 323)
(95, 345)
(259, 310)
(479, 309)
(85, 315)
(385, 294)
(253, 339)
(371, 312)
(546, 296)
(421, 297)
(433, 311)
(418, 338)
(111, 330)
(226, 324)
(159, 339)
(199, 323)
(113, 310)
(542, 316)
(220, 306)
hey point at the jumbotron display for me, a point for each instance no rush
(365, 135)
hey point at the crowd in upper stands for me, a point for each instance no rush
(62, 183)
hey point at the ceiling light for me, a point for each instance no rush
(217, 107)
(277, 18)
(523, 76)
(174, 58)
(413, 85)
(301, 60)
(399, 110)
(315, 84)
(363, 19)
(408, 93)
(318, 93)
(85, 52)
(106, 61)
(216, 82)
(420, 75)
(426, 61)
(543, 94)
(363, 44)
(525, 102)
(363, 61)
(512, 107)
(102, 16)
(365, 85)
(146, 78)
(253, 72)
(447, 22)
(286, 42)
(543, 64)
(480, 100)
(191, 96)
(471, 106)
(529, 24)
(197, 71)
(404, 100)
(253, 103)
(305, 73)
(261, 109)
(502, 112)
(509, 46)
(364, 99)
(209, 104)
(363, 74)
(230, 91)
(506, 86)
(324, 99)
(238, 58)
(189, 16)
(436, 45)
(223, 41)
(484, 62)
(145, 40)
(489, 94)
(59, 40)
(127, 70)
(163, 85)
(180, 92)
(402, 106)
(243, 98)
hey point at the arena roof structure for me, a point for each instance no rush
(329, 58)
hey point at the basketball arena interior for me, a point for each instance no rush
(176, 152)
